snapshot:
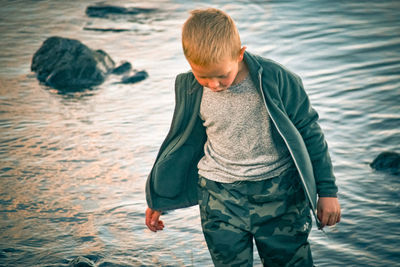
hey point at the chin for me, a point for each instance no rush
(218, 89)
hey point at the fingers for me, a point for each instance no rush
(328, 219)
(332, 220)
(160, 225)
(322, 218)
(338, 215)
(153, 220)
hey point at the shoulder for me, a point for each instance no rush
(274, 70)
(184, 78)
(186, 82)
(182, 81)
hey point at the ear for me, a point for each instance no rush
(241, 53)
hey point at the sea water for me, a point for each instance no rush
(73, 166)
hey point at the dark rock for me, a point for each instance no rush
(137, 77)
(121, 69)
(67, 64)
(387, 161)
(105, 11)
(81, 262)
(105, 29)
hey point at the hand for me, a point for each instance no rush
(153, 220)
(328, 211)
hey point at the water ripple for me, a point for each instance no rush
(73, 166)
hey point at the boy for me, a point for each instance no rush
(245, 144)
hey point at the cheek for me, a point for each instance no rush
(202, 81)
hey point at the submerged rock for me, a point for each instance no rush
(387, 161)
(105, 29)
(68, 64)
(81, 262)
(137, 77)
(105, 11)
(123, 68)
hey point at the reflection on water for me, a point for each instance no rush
(73, 167)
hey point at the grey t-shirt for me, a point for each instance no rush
(242, 143)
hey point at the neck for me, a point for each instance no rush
(242, 73)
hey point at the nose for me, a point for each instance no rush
(213, 84)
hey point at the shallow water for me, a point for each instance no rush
(73, 166)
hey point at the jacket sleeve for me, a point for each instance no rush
(305, 119)
(151, 196)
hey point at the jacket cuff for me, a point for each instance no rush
(327, 189)
(328, 195)
(328, 192)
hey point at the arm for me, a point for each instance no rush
(151, 197)
(328, 207)
(305, 119)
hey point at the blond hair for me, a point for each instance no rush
(209, 36)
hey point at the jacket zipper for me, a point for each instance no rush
(291, 153)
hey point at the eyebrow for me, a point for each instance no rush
(217, 76)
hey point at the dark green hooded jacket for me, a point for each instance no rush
(172, 182)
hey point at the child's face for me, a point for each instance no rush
(220, 76)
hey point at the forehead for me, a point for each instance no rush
(219, 69)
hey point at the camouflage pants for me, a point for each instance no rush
(273, 212)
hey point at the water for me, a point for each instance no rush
(73, 167)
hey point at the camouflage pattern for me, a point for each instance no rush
(273, 212)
